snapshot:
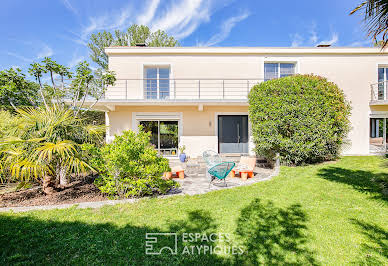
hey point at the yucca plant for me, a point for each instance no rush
(47, 147)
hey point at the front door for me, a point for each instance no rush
(233, 133)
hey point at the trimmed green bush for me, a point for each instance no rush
(130, 166)
(304, 118)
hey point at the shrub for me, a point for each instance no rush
(304, 118)
(130, 167)
(44, 144)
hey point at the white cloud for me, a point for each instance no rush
(115, 20)
(46, 51)
(178, 18)
(313, 34)
(70, 7)
(297, 40)
(182, 19)
(75, 60)
(20, 57)
(311, 37)
(226, 28)
(149, 12)
(332, 41)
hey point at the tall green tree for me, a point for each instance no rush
(376, 18)
(66, 89)
(16, 90)
(133, 35)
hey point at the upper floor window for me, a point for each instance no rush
(278, 70)
(157, 83)
(382, 80)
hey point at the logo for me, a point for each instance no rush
(191, 243)
(156, 243)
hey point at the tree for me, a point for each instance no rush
(45, 145)
(16, 90)
(376, 19)
(133, 35)
(304, 118)
(70, 90)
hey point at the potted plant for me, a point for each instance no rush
(182, 155)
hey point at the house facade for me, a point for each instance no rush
(197, 96)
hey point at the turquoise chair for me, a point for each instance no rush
(220, 171)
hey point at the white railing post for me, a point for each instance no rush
(126, 89)
(223, 89)
(174, 89)
(199, 89)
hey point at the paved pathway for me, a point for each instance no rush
(193, 183)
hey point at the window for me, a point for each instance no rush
(378, 134)
(157, 83)
(278, 70)
(164, 136)
(382, 81)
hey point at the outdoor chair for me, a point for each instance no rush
(220, 171)
(211, 159)
(245, 168)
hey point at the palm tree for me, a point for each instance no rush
(376, 18)
(47, 146)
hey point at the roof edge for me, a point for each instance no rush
(243, 50)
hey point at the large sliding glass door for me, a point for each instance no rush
(164, 135)
(378, 135)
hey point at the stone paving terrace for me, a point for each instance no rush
(197, 182)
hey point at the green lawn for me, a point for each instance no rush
(323, 214)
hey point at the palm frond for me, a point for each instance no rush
(64, 149)
(27, 169)
(376, 19)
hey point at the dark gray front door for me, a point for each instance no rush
(233, 133)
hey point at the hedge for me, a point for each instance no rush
(304, 118)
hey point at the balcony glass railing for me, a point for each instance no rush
(180, 89)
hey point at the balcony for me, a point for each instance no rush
(180, 90)
(379, 93)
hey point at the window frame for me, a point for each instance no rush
(295, 63)
(145, 79)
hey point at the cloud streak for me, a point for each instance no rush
(70, 7)
(45, 52)
(149, 12)
(297, 40)
(332, 41)
(184, 18)
(226, 28)
(312, 38)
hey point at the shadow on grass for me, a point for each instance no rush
(272, 235)
(363, 181)
(26, 240)
(375, 252)
(265, 233)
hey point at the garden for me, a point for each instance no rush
(324, 214)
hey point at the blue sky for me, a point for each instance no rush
(31, 30)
